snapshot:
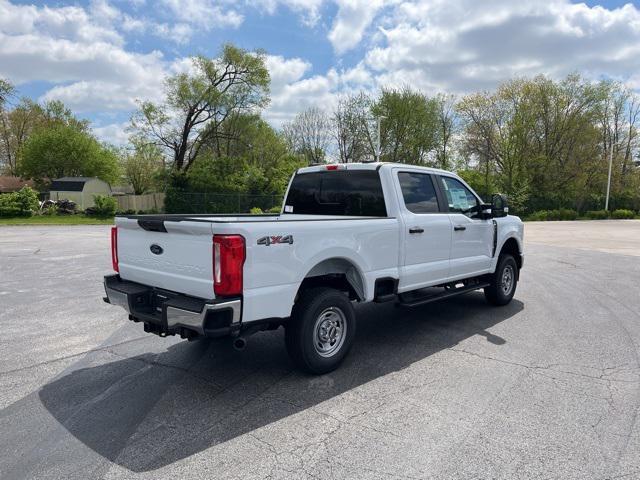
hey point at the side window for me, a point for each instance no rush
(418, 192)
(459, 197)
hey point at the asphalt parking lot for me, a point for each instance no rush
(546, 387)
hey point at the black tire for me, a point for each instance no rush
(308, 344)
(501, 290)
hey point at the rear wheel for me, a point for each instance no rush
(321, 330)
(503, 281)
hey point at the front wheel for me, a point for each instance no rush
(321, 330)
(503, 281)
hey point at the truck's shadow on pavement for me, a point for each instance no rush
(149, 410)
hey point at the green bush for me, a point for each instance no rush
(8, 205)
(105, 206)
(256, 211)
(539, 216)
(597, 214)
(560, 214)
(275, 209)
(19, 204)
(622, 213)
(50, 211)
(27, 199)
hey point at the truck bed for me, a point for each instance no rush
(239, 218)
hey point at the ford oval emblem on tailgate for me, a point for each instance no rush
(156, 249)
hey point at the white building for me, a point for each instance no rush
(78, 189)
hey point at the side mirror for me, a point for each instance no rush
(499, 206)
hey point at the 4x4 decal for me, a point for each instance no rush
(274, 240)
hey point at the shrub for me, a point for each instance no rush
(275, 209)
(19, 204)
(256, 211)
(539, 216)
(27, 199)
(105, 206)
(8, 205)
(597, 214)
(560, 214)
(49, 210)
(622, 214)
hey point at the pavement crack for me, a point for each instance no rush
(73, 355)
(603, 376)
(155, 363)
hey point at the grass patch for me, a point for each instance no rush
(57, 220)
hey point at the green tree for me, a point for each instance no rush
(352, 128)
(142, 166)
(308, 134)
(18, 123)
(538, 141)
(409, 126)
(198, 105)
(15, 127)
(62, 150)
(254, 160)
(6, 90)
(252, 170)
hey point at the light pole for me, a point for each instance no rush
(606, 202)
(378, 146)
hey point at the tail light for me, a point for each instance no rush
(228, 260)
(114, 248)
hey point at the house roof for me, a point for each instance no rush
(10, 184)
(70, 184)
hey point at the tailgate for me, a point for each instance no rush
(179, 259)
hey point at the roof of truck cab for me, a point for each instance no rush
(367, 166)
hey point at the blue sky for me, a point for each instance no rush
(100, 56)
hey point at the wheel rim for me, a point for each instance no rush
(329, 331)
(508, 276)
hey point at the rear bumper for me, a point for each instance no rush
(169, 313)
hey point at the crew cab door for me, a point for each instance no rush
(472, 237)
(425, 230)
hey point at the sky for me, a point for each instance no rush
(100, 57)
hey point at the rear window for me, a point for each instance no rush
(355, 193)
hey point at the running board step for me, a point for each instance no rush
(405, 300)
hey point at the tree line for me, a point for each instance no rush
(545, 143)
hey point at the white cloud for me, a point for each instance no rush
(114, 133)
(178, 32)
(353, 18)
(72, 23)
(309, 9)
(291, 93)
(205, 13)
(436, 45)
(468, 45)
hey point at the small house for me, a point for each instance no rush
(78, 189)
(10, 184)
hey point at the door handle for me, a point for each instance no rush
(416, 230)
(458, 228)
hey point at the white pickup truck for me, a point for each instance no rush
(346, 233)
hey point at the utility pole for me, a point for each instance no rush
(606, 202)
(378, 147)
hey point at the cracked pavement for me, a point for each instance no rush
(546, 387)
